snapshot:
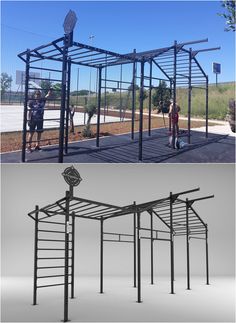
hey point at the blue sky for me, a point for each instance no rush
(119, 26)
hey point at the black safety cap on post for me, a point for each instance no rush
(72, 177)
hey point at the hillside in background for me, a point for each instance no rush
(219, 97)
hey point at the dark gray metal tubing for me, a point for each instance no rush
(161, 218)
(112, 87)
(139, 259)
(150, 100)
(205, 50)
(109, 240)
(171, 246)
(51, 249)
(197, 216)
(135, 239)
(207, 107)
(52, 231)
(43, 79)
(119, 234)
(166, 208)
(25, 106)
(207, 261)
(186, 192)
(51, 258)
(133, 98)
(82, 207)
(115, 81)
(35, 255)
(199, 66)
(161, 69)
(49, 267)
(51, 222)
(52, 240)
(53, 285)
(141, 112)
(99, 104)
(50, 276)
(161, 239)
(41, 47)
(187, 245)
(101, 256)
(151, 227)
(45, 69)
(154, 229)
(95, 49)
(67, 105)
(99, 212)
(174, 96)
(95, 202)
(73, 257)
(66, 283)
(63, 102)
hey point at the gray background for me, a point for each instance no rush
(23, 186)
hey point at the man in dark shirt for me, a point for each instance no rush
(35, 118)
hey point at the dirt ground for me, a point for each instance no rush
(11, 141)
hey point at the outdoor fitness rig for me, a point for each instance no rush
(177, 214)
(179, 66)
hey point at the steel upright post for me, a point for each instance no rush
(135, 247)
(63, 101)
(67, 106)
(207, 261)
(99, 104)
(174, 95)
(27, 67)
(189, 94)
(101, 257)
(207, 93)
(66, 273)
(150, 101)
(171, 93)
(141, 112)
(187, 245)
(151, 224)
(35, 254)
(171, 244)
(73, 257)
(139, 258)
(133, 97)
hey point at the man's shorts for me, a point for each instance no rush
(175, 118)
(35, 125)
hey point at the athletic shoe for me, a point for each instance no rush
(37, 148)
(29, 150)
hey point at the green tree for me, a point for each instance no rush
(90, 110)
(6, 81)
(161, 96)
(45, 85)
(130, 88)
(229, 14)
(56, 90)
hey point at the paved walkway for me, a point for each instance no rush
(218, 148)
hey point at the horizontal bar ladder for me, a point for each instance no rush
(50, 248)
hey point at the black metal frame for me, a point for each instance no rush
(178, 215)
(177, 64)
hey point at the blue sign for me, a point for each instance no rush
(216, 68)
